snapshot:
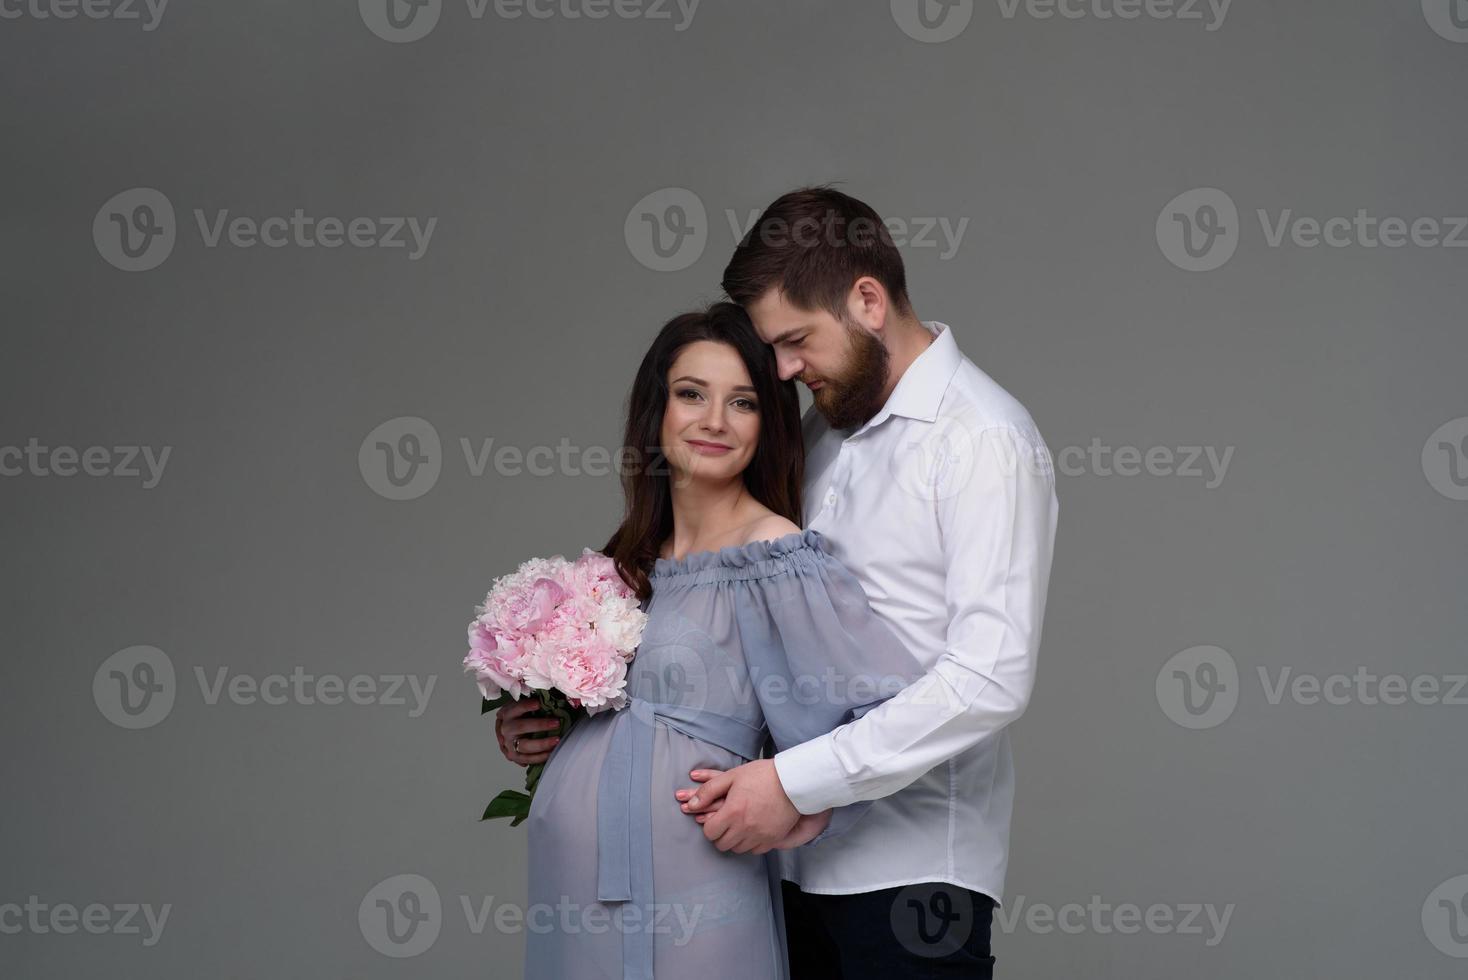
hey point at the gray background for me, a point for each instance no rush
(1336, 540)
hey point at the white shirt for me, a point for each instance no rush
(943, 506)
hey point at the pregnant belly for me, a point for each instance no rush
(563, 813)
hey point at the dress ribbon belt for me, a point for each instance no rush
(624, 811)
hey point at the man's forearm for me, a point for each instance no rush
(931, 718)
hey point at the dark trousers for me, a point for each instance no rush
(915, 931)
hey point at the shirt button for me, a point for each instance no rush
(830, 498)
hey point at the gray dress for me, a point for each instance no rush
(772, 639)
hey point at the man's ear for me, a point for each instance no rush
(868, 304)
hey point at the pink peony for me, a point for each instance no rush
(557, 625)
(594, 674)
(527, 608)
(498, 667)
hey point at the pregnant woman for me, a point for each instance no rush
(754, 631)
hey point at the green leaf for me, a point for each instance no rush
(486, 705)
(508, 804)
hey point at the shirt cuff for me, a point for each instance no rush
(811, 776)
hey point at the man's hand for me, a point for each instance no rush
(510, 724)
(745, 810)
(807, 829)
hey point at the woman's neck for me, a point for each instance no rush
(706, 516)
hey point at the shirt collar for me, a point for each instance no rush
(920, 390)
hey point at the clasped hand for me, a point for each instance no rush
(745, 810)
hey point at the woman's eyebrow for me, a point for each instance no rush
(700, 381)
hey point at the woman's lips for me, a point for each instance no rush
(708, 448)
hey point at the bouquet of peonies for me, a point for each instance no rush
(562, 631)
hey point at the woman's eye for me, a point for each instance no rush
(746, 404)
(688, 391)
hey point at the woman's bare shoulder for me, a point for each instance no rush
(770, 527)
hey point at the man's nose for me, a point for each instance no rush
(788, 367)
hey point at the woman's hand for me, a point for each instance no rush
(806, 829)
(512, 727)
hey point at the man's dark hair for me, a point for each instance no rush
(813, 244)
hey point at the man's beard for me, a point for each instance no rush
(850, 400)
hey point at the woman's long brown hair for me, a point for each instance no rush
(774, 474)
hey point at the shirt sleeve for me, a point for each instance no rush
(998, 536)
(818, 655)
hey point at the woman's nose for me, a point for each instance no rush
(713, 419)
